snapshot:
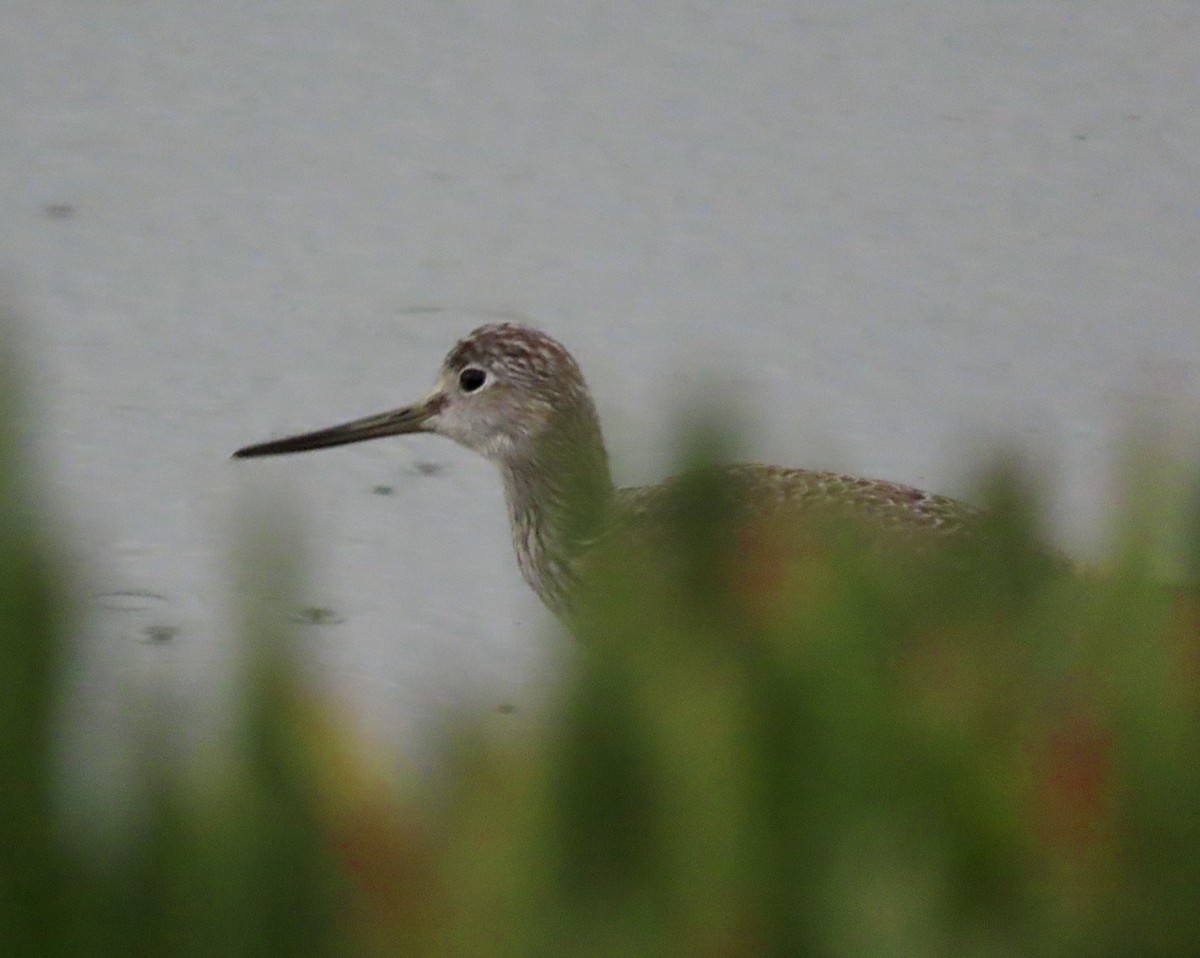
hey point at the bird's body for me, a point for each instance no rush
(516, 396)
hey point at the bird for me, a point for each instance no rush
(516, 396)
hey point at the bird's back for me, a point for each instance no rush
(780, 494)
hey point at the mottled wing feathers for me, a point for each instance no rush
(770, 492)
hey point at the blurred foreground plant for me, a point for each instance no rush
(970, 752)
(977, 750)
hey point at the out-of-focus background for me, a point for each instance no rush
(894, 234)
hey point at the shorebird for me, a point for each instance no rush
(517, 397)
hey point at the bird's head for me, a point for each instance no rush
(500, 391)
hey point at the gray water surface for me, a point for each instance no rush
(893, 233)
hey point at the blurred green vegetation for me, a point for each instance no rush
(972, 752)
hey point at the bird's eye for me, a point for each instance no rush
(471, 379)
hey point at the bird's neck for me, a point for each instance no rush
(559, 492)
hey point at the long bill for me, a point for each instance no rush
(398, 422)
